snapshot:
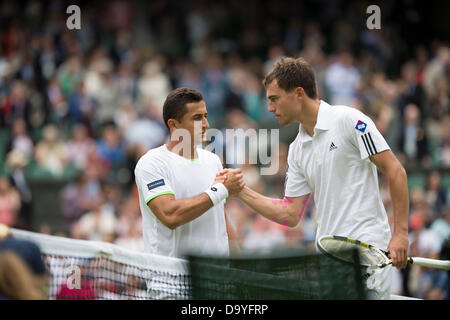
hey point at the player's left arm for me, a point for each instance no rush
(387, 163)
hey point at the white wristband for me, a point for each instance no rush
(217, 193)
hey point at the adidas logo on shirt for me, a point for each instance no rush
(333, 146)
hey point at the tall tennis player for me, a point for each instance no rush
(335, 156)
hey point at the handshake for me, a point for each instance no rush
(232, 179)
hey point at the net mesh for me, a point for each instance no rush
(286, 275)
(95, 270)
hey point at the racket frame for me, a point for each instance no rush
(383, 254)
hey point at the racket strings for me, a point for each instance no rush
(341, 250)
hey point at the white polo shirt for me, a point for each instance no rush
(335, 165)
(161, 171)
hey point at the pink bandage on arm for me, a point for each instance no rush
(282, 201)
(287, 199)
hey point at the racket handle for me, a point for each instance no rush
(430, 263)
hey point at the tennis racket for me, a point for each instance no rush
(369, 256)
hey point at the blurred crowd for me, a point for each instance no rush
(90, 100)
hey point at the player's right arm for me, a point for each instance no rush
(287, 211)
(174, 212)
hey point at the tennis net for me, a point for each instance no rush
(83, 269)
(91, 270)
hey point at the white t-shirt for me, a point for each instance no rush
(335, 165)
(161, 171)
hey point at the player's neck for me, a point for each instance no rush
(185, 150)
(308, 115)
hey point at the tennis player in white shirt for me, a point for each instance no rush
(181, 203)
(335, 156)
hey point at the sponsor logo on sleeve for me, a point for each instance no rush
(361, 126)
(155, 184)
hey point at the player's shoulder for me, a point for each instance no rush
(344, 112)
(152, 157)
(350, 118)
(347, 112)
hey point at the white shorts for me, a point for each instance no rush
(378, 283)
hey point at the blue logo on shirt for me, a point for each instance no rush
(361, 126)
(155, 184)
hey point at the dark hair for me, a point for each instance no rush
(291, 73)
(175, 104)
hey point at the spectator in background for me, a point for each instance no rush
(435, 74)
(110, 147)
(132, 240)
(440, 103)
(20, 139)
(16, 105)
(15, 279)
(57, 101)
(99, 224)
(413, 142)
(425, 283)
(99, 86)
(51, 151)
(411, 90)
(107, 98)
(444, 143)
(441, 225)
(275, 53)
(78, 197)
(214, 89)
(342, 80)
(435, 195)
(47, 58)
(235, 146)
(125, 114)
(313, 52)
(424, 242)
(125, 80)
(128, 215)
(9, 202)
(81, 148)
(81, 106)
(189, 76)
(144, 133)
(16, 162)
(153, 86)
(23, 275)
